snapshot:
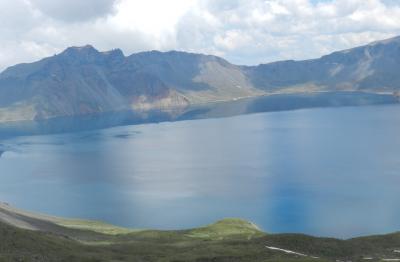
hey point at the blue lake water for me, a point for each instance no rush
(328, 172)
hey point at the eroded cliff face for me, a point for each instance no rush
(82, 80)
(171, 100)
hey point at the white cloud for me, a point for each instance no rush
(151, 16)
(74, 10)
(255, 31)
(232, 40)
(243, 31)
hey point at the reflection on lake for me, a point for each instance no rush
(270, 103)
(331, 172)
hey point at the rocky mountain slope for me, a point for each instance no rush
(82, 80)
(373, 67)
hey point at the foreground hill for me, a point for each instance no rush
(34, 237)
(82, 80)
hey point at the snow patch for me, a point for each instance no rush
(289, 251)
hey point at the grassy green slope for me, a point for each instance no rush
(56, 239)
(25, 245)
(239, 243)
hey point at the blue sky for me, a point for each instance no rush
(242, 31)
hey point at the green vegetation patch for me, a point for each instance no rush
(95, 226)
(227, 228)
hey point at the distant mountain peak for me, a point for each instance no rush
(90, 50)
(80, 49)
(87, 53)
(116, 51)
(80, 53)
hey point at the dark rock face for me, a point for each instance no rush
(82, 80)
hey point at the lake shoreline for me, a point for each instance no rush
(223, 239)
(288, 172)
(20, 218)
(274, 102)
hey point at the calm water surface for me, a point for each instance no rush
(331, 172)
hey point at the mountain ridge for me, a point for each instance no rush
(83, 80)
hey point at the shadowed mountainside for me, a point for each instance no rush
(82, 80)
